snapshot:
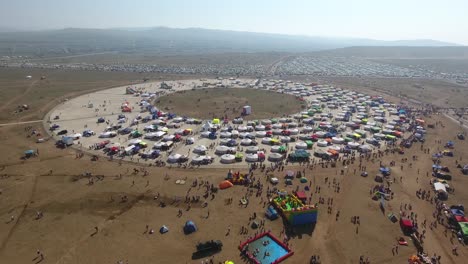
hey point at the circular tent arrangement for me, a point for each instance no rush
(337, 119)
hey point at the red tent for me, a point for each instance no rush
(301, 196)
(261, 156)
(405, 222)
(406, 226)
(460, 218)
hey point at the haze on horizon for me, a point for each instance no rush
(390, 20)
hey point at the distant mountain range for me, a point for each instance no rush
(163, 40)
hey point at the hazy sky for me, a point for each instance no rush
(445, 20)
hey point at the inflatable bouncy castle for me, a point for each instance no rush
(294, 211)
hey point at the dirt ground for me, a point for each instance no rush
(73, 207)
(58, 85)
(210, 103)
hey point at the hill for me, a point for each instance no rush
(170, 41)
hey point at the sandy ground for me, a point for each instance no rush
(72, 208)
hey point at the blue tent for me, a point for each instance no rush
(385, 171)
(163, 229)
(271, 213)
(457, 212)
(189, 227)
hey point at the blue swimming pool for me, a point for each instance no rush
(275, 250)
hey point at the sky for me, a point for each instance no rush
(444, 20)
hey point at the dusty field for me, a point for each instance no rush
(42, 95)
(72, 208)
(210, 103)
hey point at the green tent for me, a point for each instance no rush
(464, 228)
(309, 143)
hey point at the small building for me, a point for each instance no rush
(247, 110)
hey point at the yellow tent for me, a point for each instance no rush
(216, 121)
(274, 140)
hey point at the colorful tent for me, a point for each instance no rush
(225, 184)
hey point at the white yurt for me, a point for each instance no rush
(190, 140)
(307, 129)
(168, 138)
(266, 140)
(251, 149)
(266, 122)
(237, 121)
(246, 142)
(205, 134)
(260, 128)
(337, 140)
(322, 143)
(285, 139)
(225, 135)
(243, 134)
(200, 149)
(174, 158)
(277, 131)
(275, 149)
(242, 128)
(320, 134)
(276, 126)
(274, 157)
(260, 134)
(234, 133)
(198, 159)
(294, 131)
(251, 157)
(365, 148)
(220, 150)
(301, 145)
(228, 159)
(353, 145)
(224, 141)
